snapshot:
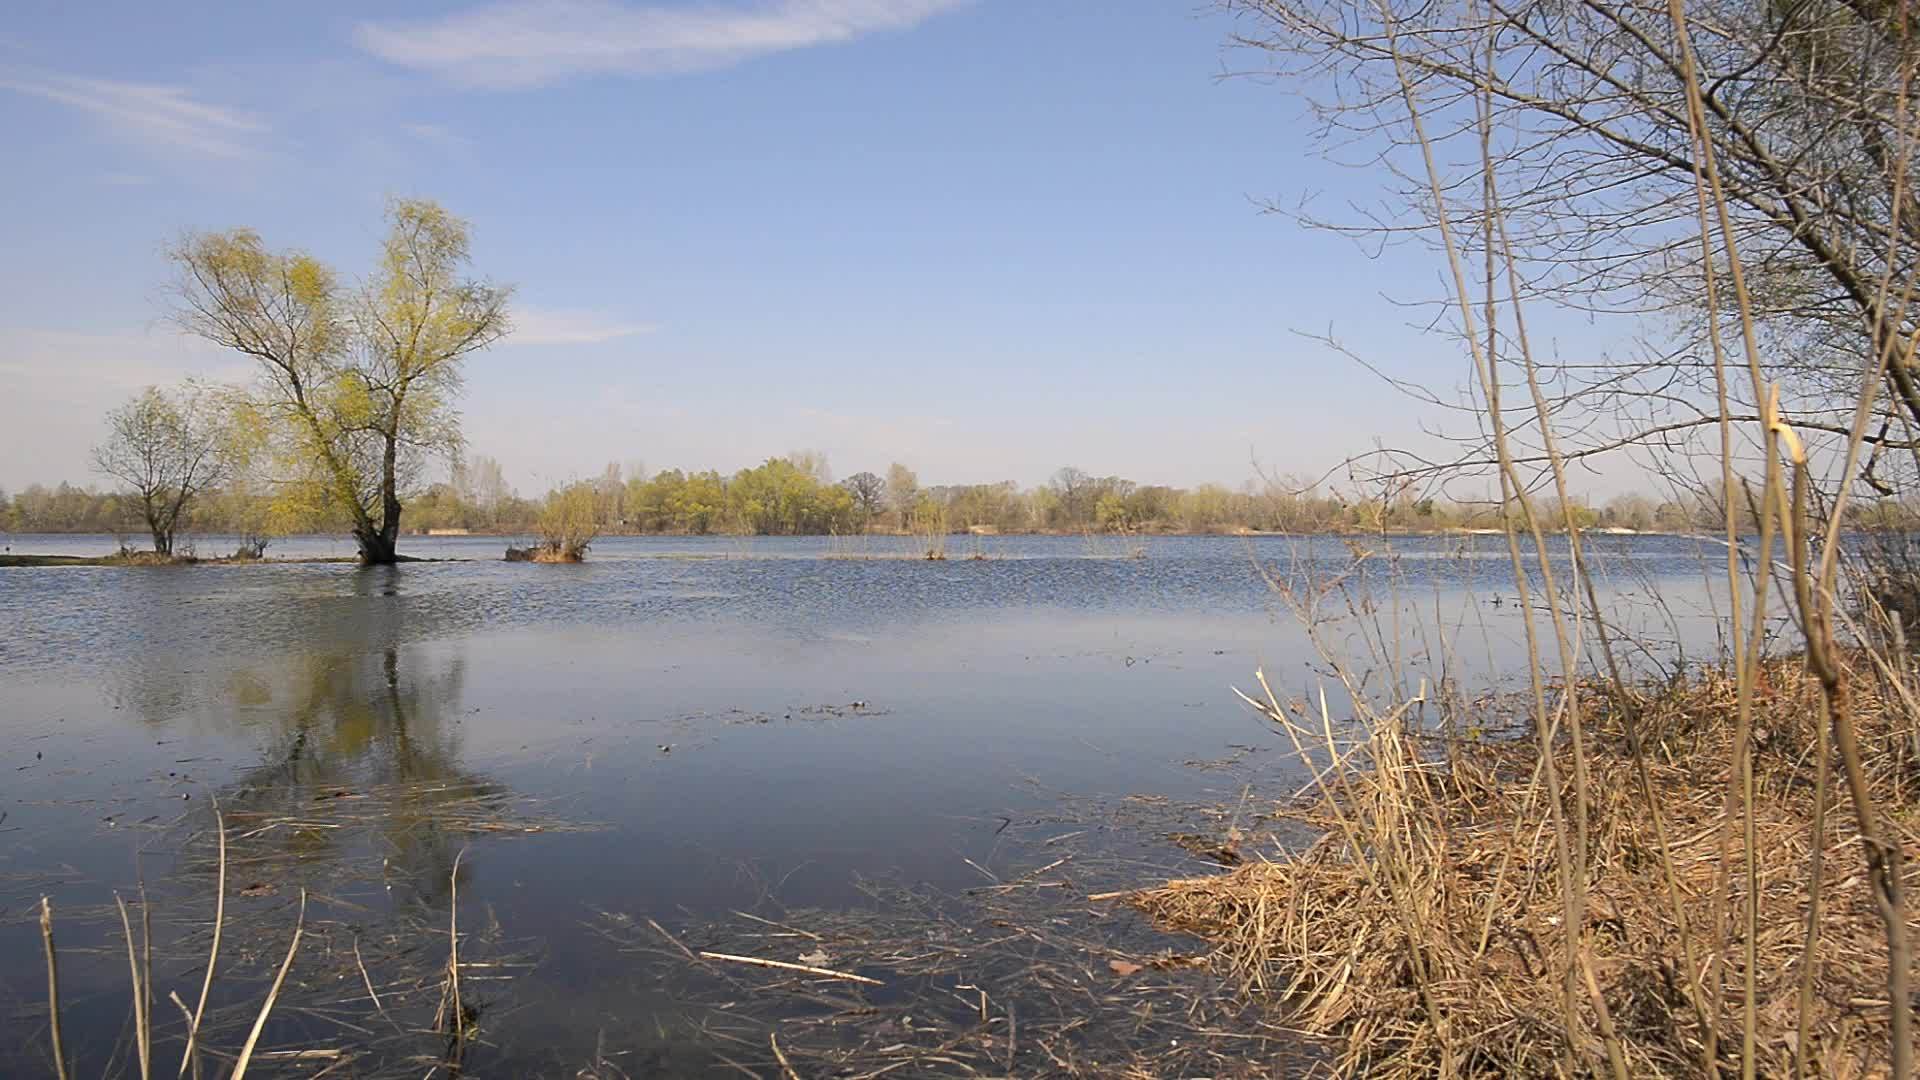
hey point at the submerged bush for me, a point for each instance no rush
(568, 526)
(930, 528)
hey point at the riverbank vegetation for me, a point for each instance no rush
(792, 495)
(1651, 868)
(1421, 931)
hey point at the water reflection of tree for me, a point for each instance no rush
(361, 761)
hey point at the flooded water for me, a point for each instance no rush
(677, 731)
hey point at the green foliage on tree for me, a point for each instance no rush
(356, 385)
(571, 521)
(166, 449)
(779, 498)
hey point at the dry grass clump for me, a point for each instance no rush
(1422, 931)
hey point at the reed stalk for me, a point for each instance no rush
(189, 1056)
(53, 990)
(273, 994)
(142, 1034)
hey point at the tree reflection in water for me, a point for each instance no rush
(359, 797)
(362, 761)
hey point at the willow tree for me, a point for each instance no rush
(359, 384)
(168, 449)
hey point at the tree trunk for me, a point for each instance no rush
(380, 548)
(162, 534)
(390, 530)
(377, 545)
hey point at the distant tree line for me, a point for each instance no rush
(350, 414)
(796, 495)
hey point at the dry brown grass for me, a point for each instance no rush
(1422, 932)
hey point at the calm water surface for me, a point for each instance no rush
(696, 727)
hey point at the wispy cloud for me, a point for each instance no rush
(116, 361)
(159, 116)
(56, 385)
(524, 43)
(439, 137)
(552, 326)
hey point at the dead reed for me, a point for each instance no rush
(273, 993)
(53, 989)
(387, 1005)
(1020, 978)
(189, 1057)
(1420, 931)
(1021, 975)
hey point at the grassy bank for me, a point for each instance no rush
(1421, 932)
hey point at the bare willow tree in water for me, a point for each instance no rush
(1807, 115)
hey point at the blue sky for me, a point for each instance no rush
(986, 238)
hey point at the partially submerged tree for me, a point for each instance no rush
(359, 385)
(168, 449)
(569, 524)
(928, 522)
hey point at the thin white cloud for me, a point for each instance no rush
(553, 326)
(115, 361)
(57, 385)
(522, 43)
(163, 117)
(439, 137)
